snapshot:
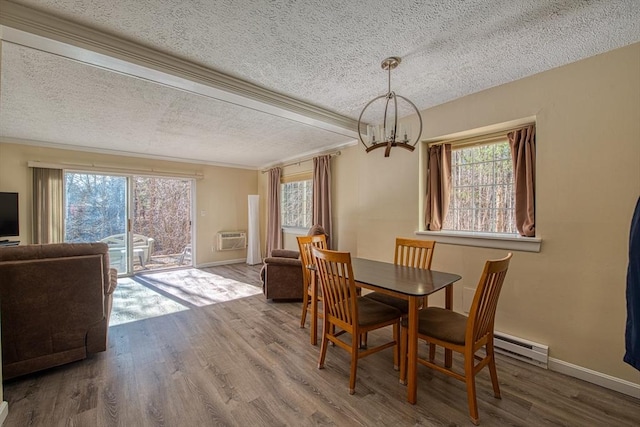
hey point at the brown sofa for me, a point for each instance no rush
(55, 301)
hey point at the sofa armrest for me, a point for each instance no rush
(113, 281)
(283, 261)
(284, 253)
(283, 278)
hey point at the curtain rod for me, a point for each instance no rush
(479, 138)
(92, 167)
(337, 153)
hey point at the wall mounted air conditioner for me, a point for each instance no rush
(231, 240)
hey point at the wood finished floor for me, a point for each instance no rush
(247, 363)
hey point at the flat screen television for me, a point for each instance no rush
(9, 215)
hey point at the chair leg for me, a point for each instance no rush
(471, 388)
(432, 352)
(404, 341)
(305, 306)
(314, 317)
(323, 345)
(314, 310)
(492, 370)
(448, 358)
(396, 348)
(363, 340)
(354, 364)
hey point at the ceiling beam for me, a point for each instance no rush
(38, 30)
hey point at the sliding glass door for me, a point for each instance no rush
(146, 221)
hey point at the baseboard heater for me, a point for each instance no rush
(521, 349)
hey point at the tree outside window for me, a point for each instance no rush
(482, 193)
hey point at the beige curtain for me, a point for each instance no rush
(322, 195)
(438, 186)
(47, 206)
(523, 153)
(274, 220)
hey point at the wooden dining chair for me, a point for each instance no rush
(312, 295)
(410, 253)
(465, 334)
(346, 312)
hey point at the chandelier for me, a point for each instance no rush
(388, 134)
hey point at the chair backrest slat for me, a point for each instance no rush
(304, 245)
(414, 253)
(335, 275)
(483, 308)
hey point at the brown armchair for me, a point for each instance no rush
(282, 275)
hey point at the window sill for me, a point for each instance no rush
(296, 231)
(485, 240)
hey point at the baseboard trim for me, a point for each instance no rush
(217, 263)
(594, 377)
(4, 411)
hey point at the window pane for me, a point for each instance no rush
(480, 220)
(466, 156)
(297, 204)
(504, 169)
(95, 206)
(466, 175)
(466, 219)
(482, 196)
(484, 153)
(502, 151)
(503, 195)
(464, 197)
(485, 173)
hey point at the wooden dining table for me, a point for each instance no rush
(411, 284)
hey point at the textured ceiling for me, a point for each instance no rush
(49, 98)
(326, 53)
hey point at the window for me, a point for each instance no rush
(297, 203)
(482, 192)
(481, 210)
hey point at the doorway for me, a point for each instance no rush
(145, 220)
